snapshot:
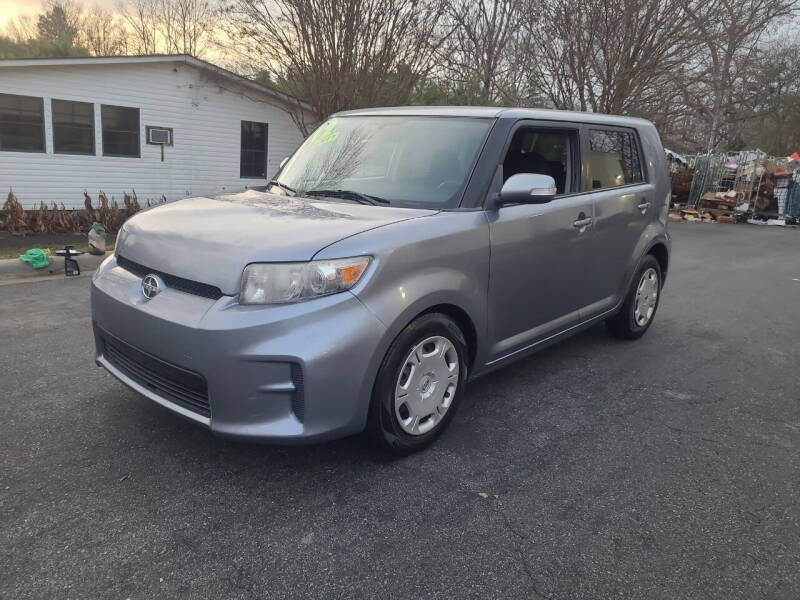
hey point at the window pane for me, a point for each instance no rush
(21, 123)
(26, 109)
(73, 140)
(254, 135)
(73, 127)
(429, 158)
(613, 160)
(120, 117)
(377, 156)
(73, 113)
(120, 143)
(542, 152)
(253, 162)
(120, 131)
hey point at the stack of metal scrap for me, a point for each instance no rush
(736, 186)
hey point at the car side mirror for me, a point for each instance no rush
(527, 188)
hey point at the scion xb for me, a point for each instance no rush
(398, 254)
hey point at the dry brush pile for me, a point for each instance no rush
(58, 219)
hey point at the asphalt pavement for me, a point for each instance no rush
(663, 468)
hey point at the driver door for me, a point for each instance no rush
(538, 264)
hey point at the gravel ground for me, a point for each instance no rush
(663, 468)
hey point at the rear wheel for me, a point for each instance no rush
(418, 385)
(639, 309)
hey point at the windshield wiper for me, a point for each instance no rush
(349, 195)
(282, 185)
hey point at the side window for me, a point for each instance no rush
(253, 150)
(120, 131)
(613, 160)
(73, 127)
(540, 151)
(21, 123)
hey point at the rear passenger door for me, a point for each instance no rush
(615, 174)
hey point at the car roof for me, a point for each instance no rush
(493, 112)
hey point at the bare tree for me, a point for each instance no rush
(170, 26)
(102, 33)
(775, 125)
(339, 54)
(185, 26)
(730, 31)
(475, 56)
(611, 56)
(21, 29)
(142, 23)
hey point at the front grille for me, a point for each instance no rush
(176, 384)
(178, 283)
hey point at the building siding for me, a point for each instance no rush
(204, 110)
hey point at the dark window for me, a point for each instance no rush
(73, 127)
(21, 123)
(120, 131)
(541, 152)
(613, 159)
(253, 162)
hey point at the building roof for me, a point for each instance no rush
(493, 112)
(154, 58)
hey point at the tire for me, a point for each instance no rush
(627, 324)
(415, 377)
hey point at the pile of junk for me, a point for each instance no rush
(735, 187)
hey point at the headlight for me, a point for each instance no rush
(282, 283)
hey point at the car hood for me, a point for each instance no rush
(211, 240)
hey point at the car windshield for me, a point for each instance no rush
(420, 162)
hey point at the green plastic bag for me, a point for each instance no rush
(36, 257)
(97, 239)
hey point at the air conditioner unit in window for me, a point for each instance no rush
(161, 136)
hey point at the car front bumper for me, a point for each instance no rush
(299, 372)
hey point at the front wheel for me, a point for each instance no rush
(419, 384)
(639, 309)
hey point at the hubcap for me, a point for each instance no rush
(646, 297)
(426, 385)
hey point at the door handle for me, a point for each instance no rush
(584, 222)
(644, 206)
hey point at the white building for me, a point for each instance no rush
(69, 125)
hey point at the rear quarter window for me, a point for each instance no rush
(613, 159)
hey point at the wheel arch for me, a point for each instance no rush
(661, 253)
(464, 322)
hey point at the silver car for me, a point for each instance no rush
(398, 254)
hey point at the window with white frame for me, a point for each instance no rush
(21, 123)
(120, 131)
(73, 127)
